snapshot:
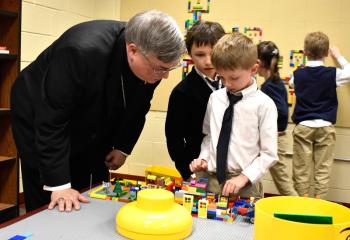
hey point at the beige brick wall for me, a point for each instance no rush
(43, 21)
(151, 147)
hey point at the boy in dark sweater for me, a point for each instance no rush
(188, 100)
(315, 114)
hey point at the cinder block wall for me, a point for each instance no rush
(43, 21)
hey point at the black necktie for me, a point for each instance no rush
(224, 138)
(214, 84)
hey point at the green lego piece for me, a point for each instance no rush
(118, 189)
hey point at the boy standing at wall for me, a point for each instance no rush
(188, 100)
(315, 113)
(240, 123)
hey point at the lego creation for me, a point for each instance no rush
(297, 59)
(312, 226)
(191, 194)
(162, 177)
(197, 9)
(203, 208)
(290, 90)
(235, 29)
(254, 33)
(154, 216)
(280, 62)
(117, 190)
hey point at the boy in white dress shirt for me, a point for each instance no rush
(237, 164)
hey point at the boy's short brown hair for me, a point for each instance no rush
(234, 51)
(316, 45)
(203, 33)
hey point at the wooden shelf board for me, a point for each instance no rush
(4, 111)
(8, 56)
(4, 206)
(8, 13)
(6, 158)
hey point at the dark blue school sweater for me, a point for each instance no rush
(316, 95)
(278, 93)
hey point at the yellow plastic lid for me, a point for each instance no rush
(154, 215)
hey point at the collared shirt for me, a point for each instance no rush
(342, 77)
(253, 140)
(206, 79)
(61, 187)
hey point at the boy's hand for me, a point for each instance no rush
(335, 52)
(235, 184)
(198, 165)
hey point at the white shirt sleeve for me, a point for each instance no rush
(126, 155)
(343, 73)
(205, 146)
(57, 188)
(291, 81)
(268, 143)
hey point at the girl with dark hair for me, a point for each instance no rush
(273, 86)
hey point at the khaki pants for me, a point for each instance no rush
(313, 145)
(282, 180)
(251, 190)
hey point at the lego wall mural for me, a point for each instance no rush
(297, 59)
(254, 33)
(198, 9)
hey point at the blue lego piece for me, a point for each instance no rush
(17, 237)
(27, 235)
(234, 210)
(250, 213)
(241, 203)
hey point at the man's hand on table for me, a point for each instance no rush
(67, 199)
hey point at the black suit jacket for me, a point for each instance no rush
(76, 101)
(184, 121)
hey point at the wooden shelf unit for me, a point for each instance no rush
(8, 56)
(6, 13)
(10, 36)
(7, 158)
(4, 111)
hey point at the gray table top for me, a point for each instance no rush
(96, 220)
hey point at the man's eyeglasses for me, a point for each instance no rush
(160, 70)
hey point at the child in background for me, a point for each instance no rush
(188, 100)
(240, 123)
(315, 114)
(268, 55)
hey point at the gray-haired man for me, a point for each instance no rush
(81, 105)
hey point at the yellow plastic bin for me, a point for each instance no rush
(154, 216)
(268, 227)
